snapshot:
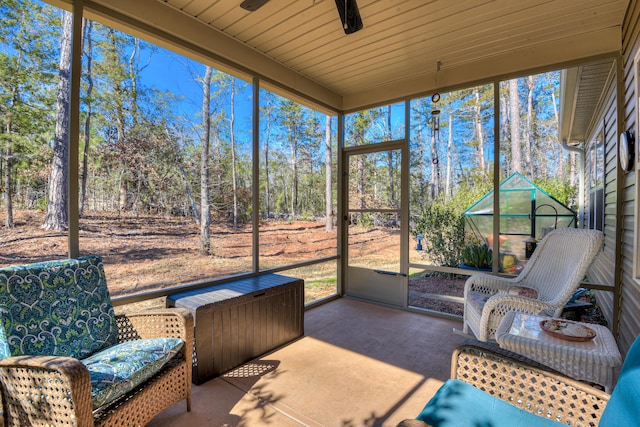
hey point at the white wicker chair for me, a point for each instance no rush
(555, 271)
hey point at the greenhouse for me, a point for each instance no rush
(526, 211)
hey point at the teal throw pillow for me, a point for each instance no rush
(623, 408)
(458, 404)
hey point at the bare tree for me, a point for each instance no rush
(293, 122)
(57, 217)
(531, 84)
(293, 141)
(504, 119)
(234, 176)
(328, 181)
(391, 169)
(87, 26)
(514, 104)
(572, 155)
(205, 243)
(268, 111)
(477, 121)
(450, 148)
(418, 158)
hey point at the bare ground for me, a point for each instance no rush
(144, 252)
(431, 292)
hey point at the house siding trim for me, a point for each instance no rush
(628, 322)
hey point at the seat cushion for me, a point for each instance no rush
(524, 291)
(56, 308)
(458, 404)
(119, 369)
(478, 299)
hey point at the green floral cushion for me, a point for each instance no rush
(119, 369)
(56, 308)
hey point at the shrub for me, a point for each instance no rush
(442, 227)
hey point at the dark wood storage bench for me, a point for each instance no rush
(241, 320)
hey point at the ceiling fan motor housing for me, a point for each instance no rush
(252, 5)
(349, 15)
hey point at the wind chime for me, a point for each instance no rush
(435, 117)
(435, 113)
(435, 134)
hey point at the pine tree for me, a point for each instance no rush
(57, 217)
(26, 67)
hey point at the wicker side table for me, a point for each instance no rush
(597, 360)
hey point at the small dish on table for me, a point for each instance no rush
(567, 330)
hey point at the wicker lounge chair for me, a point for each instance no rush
(554, 272)
(67, 360)
(494, 388)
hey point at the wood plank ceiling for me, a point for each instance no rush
(406, 46)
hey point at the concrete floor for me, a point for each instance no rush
(358, 364)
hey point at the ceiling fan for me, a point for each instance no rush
(252, 5)
(348, 10)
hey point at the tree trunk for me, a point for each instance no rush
(133, 76)
(529, 140)
(514, 103)
(422, 164)
(267, 184)
(447, 187)
(87, 27)
(504, 120)
(8, 182)
(205, 215)
(328, 188)
(294, 168)
(120, 122)
(187, 189)
(477, 120)
(236, 212)
(560, 170)
(123, 192)
(57, 217)
(8, 179)
(391, 172)
(572, 167)
(360, 185)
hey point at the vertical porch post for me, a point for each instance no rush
(74, 130)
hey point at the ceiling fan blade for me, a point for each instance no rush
(349, 15)
(252, 5)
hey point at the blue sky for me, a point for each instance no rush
(171, 72)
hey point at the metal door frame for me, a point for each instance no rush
(379, 277)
